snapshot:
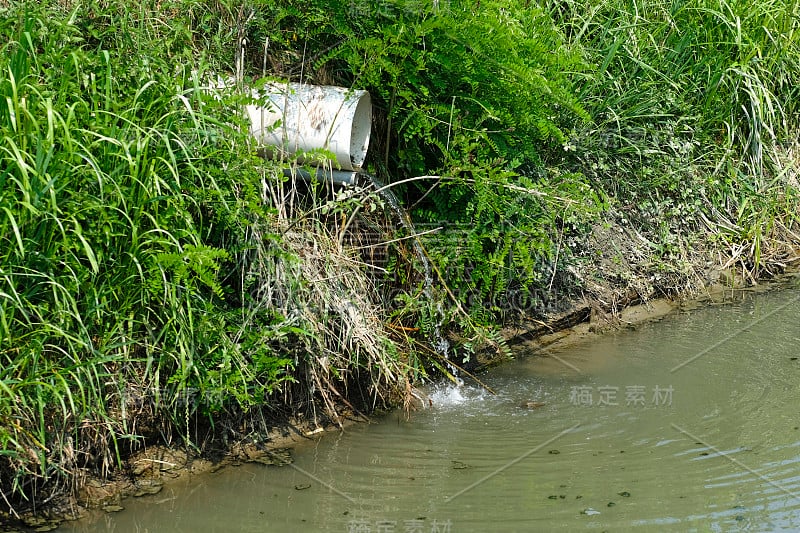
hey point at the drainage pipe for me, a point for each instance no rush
(296, 118)
(323, 174)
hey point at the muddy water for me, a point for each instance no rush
(687, 424)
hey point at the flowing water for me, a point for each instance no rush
(440, 343)
(688, 424)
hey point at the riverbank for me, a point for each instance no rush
(537, 343)
(150, 470)
(162, 286)
(593, 448)
(625, 283)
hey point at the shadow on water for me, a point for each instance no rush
(689, 424)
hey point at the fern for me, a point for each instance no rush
(195, 266)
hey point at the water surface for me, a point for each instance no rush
(687, 424)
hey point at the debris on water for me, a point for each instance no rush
(611, 504)
(590, 512)
(458, 465)
(625, 494)
(552, 497)
(532, 405)
(113, 508)
(554, 452)
(302, 486)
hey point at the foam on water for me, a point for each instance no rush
(448, 395)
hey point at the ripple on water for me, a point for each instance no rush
(722, 455)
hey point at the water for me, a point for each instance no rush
(441, 344)
(626, 444)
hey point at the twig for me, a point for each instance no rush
(401, 328)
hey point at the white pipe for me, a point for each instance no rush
(300, 118)
(343, 177)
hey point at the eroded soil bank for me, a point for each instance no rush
(149, 470)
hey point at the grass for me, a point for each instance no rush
(694, 106)
(151, 285)
(161, 283)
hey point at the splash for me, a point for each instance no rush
(448, 395)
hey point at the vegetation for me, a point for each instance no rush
(159, 282)
(695, 113)
(540, 120)
(151, 282)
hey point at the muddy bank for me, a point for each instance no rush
(588, 321)
(148, 471)
(622, 288)
(625, 280)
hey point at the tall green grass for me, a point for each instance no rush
(146, 289)
(694, 106)
(100, 163)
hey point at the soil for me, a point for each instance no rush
(621, 289)
(148, 471)
(584, 324)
